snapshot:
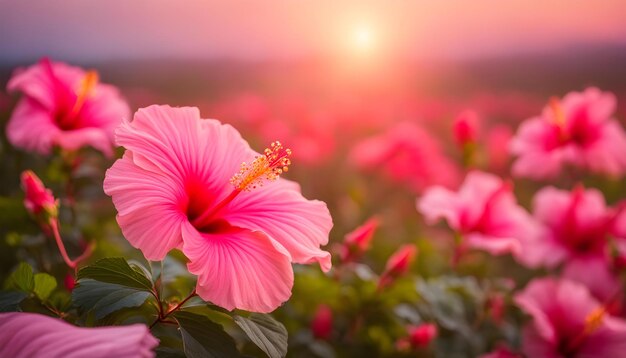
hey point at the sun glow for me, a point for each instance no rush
(363, 39)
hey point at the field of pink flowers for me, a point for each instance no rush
(157, 220)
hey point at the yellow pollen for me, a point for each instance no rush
(594, 319)
(557, 110)
(85, 89)
(269, 166)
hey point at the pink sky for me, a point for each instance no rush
(93, 30)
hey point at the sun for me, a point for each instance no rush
(363, 39)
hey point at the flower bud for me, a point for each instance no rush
(38, 199)
(357, 242)
(322, 323)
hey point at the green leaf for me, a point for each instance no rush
(44, 285)
(266, 332)
(105, 298)
(117, 271)
(22, 278)
(204, 338)
(10, 300)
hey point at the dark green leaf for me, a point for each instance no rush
(204, 338)
(104, 298)
(117, 271)
(22, 278)
(168, 352)
(44, 285)
(266, 332)
(10, 300)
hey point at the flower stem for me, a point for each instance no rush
(162, 316)
(54, 225)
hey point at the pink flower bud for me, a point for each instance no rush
(465, 128)
(398, 264)
(422, 335)
(38, 199)
(322, 323)
(358, 241)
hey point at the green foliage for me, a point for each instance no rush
(104, 298)
(22, 278)
(44, 285)
(204, 338)
(116, 270)
(10, 300)
(267, 333)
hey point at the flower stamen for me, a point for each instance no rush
(267, 167)
(85, 90)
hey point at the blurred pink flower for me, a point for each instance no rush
(484, 212)
(63, 106)
(568, 322)
(181, 184)
(498, 139)
(358, 241)
(422, 335)
(397, 265)
(31, 335)
(37, 198)
(574, 230)
(406, 154)
(322, 323)
(579, 130)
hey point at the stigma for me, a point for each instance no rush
(267, 167)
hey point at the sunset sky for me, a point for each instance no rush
(101, 30)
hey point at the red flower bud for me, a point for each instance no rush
(422, 335)
(322, 323)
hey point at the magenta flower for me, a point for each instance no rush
(63, 106)
(422, 335)
(568, 322)
(182, 184)
(406, 154)
(579, 131)
(574, 229)
(484, 212)
(30, 335)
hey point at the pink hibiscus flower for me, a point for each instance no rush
(181, 184)
(578, 130)
(484, 212)
(31, 335)
(574, 229)
(63, 106)
(406, 154)
(568, 322)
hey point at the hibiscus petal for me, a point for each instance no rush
(148, 204)
(279, 210)
(35, 335)
(31, 127)
(438, 202)
(239, 268)
(179, 143)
